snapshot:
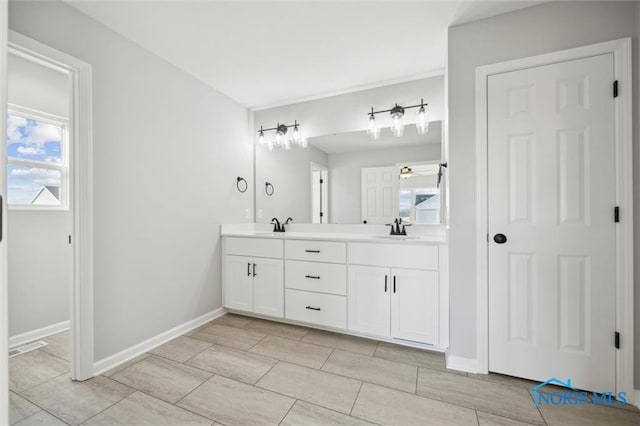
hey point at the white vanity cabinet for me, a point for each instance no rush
(316, 282)
(388, 301)
(395, 291)
(254, 283)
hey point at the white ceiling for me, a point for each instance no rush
(263, 53)
(359, 141)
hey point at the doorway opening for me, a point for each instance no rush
(319, 193)
(49, 179)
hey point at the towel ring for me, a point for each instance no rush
(268, 188)
(241, 184)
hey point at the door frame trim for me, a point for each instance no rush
(621, 50)
(81, 174)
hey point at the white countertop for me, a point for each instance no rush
(347, 237)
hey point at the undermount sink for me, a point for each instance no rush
(396, 237)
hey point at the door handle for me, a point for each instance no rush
(312, 277)
(386, 278)
(248, 269)
(394, 284)
(500, 238)
(254, 269)
(312, 308)
(312, 251)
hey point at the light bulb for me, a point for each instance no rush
(287, 145)
(397, 128)
(270, 145)
(373, 130)
(422, 124)
(297, 137)
(261, 139)
(279, 138)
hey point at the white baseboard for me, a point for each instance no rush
(38, 334)
(468, 365)
(121, 357)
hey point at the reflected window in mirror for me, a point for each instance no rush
(419, 196)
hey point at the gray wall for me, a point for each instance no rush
(345, 176)
(348, 112)
(167, 151)
(536, 30)
(39, 269)
(290, 174)
(38, 253)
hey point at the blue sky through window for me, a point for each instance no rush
(33, 140)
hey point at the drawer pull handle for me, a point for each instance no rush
(386, 278)
(312, 251)
(312, 277)
(312, 308)
(248, 269)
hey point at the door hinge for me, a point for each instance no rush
(321, 181)
(321, 214)
(615, 89)
(617, 340)
(616, 214)
(69, 239)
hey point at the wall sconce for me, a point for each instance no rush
(397, 117)
(281, 139)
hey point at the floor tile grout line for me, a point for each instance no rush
(42, 383)
(327, 359)
(477, 418)
(41, 410)
(478, 410)
(356, 398)
(268, 371)
(111, 405)
(295, 401)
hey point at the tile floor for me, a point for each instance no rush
(243, 371)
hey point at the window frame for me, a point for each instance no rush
(62, 167)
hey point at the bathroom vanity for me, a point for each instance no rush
(389, 288)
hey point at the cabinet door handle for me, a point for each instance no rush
(386, 278)
(312, 308)
(248, 269)
(394, 283)
(254, 269)
(312, 251)
(312, 277)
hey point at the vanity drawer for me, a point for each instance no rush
(316, 308)
(258, 247)
(316, 276)
(317, 251)
(394, 255)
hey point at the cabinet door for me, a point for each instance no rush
(368, 297)
(414, 305)
(268, 287)
(238, 283)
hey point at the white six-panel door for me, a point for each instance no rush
(551, 194)
(379, 194)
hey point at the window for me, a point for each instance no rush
(37, 165)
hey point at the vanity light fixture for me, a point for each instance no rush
(283, 139)
(397, 117)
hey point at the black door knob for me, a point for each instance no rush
(500, 238)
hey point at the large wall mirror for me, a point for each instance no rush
(348, 178)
